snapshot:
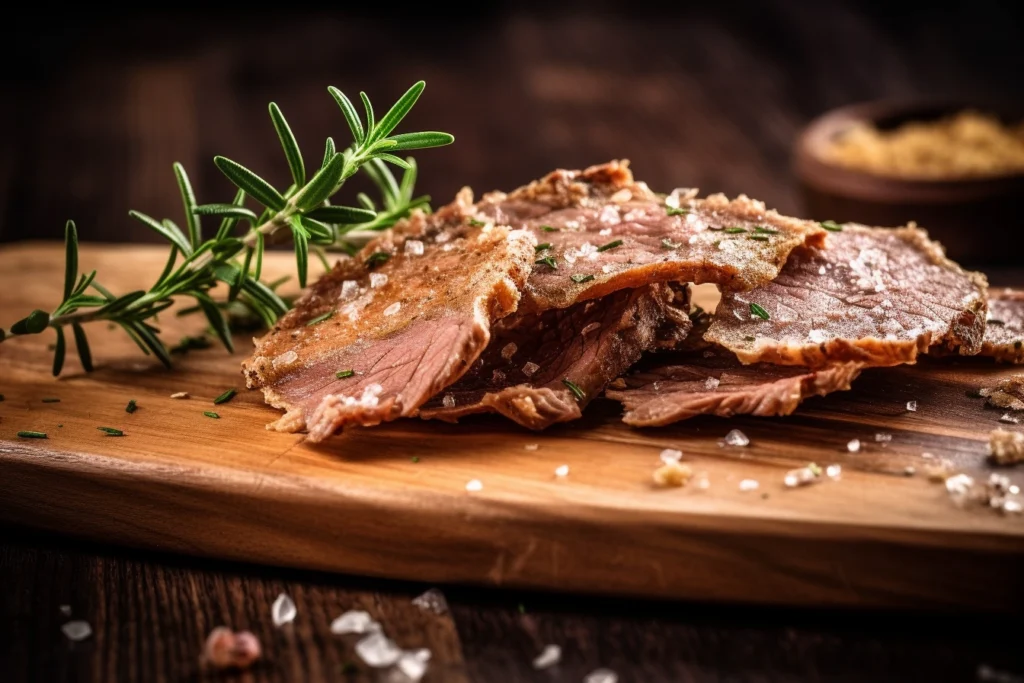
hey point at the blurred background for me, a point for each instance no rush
(709, 95)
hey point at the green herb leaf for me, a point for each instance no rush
(70, 258)
(761, 230)
(349, 112)
(421, 140)
(229, 222)
(342, 374)
(34, 323)
(226, 210)
(225, 397)
(110, 431)
(579, 279)
(131, 407)
(59, 351)
(368, 108)
(674, 211)
(211, 414)
(218, 323)
(549, 228)
(759, 312)
(610, 245)
(320, 318)
(547, 261)
(322, 185)
(476, 224)
(188, 200)
(254, 186)
(397, 112)
(669, 244)
(759, 238)
(377, 258)
(301, 239)
(32, 435)
(415, 459)
(576, 391)
(345, 215)
(167, 230)
(542, 247)
(289, 145)
(735, 230)
(831, 226)
(749, 339)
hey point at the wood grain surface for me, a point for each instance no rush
(391, 501)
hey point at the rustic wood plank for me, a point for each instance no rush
(391, 501)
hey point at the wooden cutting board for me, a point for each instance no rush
(392, 501)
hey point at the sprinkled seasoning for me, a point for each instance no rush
(749, 485)
(711, 383)
(610, 245)
(509, 350)
(672, 473)
(833, 471)
(883, 437)
(669, 244)
(110, 431)
(542, 247)
(225, 397)
(377, 258)
(761, 230)
(547, 261)
(548, 228)
(414, 247)
(853, 446)
(414, 459)
(342, 374)
(210, 413)
(674, 211)
(735, 230)
(393, 308)
(549, 656)
(831, 226)
(580, 279)
(912, 406)
(32, 435)
(737, 438)
(320, 318)
(474, 485)
(354, 621)
(77, 630)
(759, 238)
(749, 339)
(562, 471)
(476, 224)
(670, 455)
(448, 401)
(576, 391)
(180, 395)
(530, 368)
(131, 407)
(283, 610)
(759, 312)
(51, 400)
(531, 447)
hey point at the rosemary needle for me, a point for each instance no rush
(131, 407)
(759, 312)
(610, 245)
(225, 397)
(110, 431)
(342, 374)
(320, 318)
(579, 278)
(51, 400)
(574, 388)
(210, 413)
(32, 435)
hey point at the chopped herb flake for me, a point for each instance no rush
(415, 458)
(225, 397)
(549, 228)
(579, 279)
(759, 238)
(669, 244)
(991, 321)
(51, 400)
(377, 258)
(542, 247)
(342, 374)
(320, 318)
(1, 397)
(547, 261)
(735, 231)
(111, 431)
(131, 407)
(210, 413)
(32, 435)
(673, 211)
(760, 229)
(576, 391)
(831, 226)
(750, 339)
(610, 245)
(522, 608)
(759, 312)
(476, 224)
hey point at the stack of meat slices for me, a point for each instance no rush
(530, 304)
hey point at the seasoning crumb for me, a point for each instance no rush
(180, 394)
(378, 651)
(940, 471)
(549, 656)
(910, 470)
(225, 649)
(110, 431)
(562, 471)
(601, 676)
(1006, 448)
(474, 485)
(834, 471)
(1009, 419)
(672, 473)
(670, 455)
(749, 485)
(65, 610)
(283, 610)
(711, 383)
(959, 488)
(531, 446)
(448, 401)
(432, 600)
(414, 459)
(701, 481)
(883, 437)
(853, 446)
(912, 406)
(509, 350)
(802, 476)
(530, 368)
(131, 407)
(413, 664)
(737, 438)
(211, 414)
(354, 622)
(77, 630)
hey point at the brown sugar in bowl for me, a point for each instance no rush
(979, 219)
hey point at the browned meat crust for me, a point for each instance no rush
(608, 232)
(406, 328)
(678, 387)
(874, 296)
(1004, 335)
(522, 373)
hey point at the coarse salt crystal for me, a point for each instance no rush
(749, 485)
(530, 368)
(833, 471)
(414, 247)
(414, 664)
(549, 656)
(711, 383)
(883, 437)
(378, 651)
(531, 446)
(378, 280)
(393, 308)
(910, 470)
(432, 600)
(354, 621)
(671, 455)
(77, 630)
(285, 359)
(283, 610)
(737, 438)
(65, 610)
(180, 394)
(853, 446)
(912, 406)
(604, 232)
(802, 476)
(601, 676)
(349, 290)
(821, 270)
(1012, 506)
(509, 350)
(959, 487)
(448, 401)
(590, 328)
(474, 485)
(1009, 419)
(562, 471)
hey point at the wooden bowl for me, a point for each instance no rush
(979, 220)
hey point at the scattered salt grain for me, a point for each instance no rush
(590, 328)
(549, 656)
(283, 610)
(834, 471)
(562, 471)
(531, 446)
(1009, 419)
(910, 470)
(882, 437)
(1007, 448)
(530, 368)
(670, 455)
(601, 676)
(349, 290)
(672, 473)
(431, 600)
(821, 270)
(701, 481)
(509, 350)
(987, 673)
(736, 438)
(912, 406)
(853, 446)
(959, 487)
(604, 232)
(225, 649)
(414, 664)
(378, 280)
(749, 485)
(354, 621)
(474, 485)
(1012, 507)
(378, 651)
(414, 247)
(393, 308)
(448, 401)
(712, 383)
(802, 476)
(180, 394)
(285, 359)
(77, 630)
(65, 610)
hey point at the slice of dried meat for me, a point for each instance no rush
(876, 296)
(1004, 335)
(543, 368)
(680, 386)
(408, 317)
(599, 231)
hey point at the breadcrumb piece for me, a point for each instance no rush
(1007, 448)
(672, 473)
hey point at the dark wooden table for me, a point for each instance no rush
(708, 96)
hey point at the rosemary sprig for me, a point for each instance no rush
(303, 213)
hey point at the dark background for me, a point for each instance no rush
(705, 94)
